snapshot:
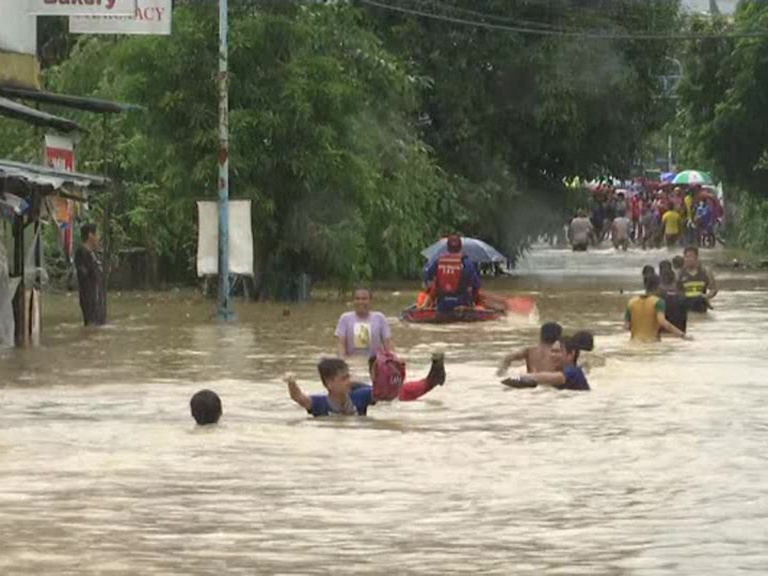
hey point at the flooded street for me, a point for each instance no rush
(659, 470)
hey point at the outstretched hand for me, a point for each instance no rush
(289, 378)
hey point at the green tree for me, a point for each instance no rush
(322, 140)
(510, 114)
(723, 113)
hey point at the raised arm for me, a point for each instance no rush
(516, 356)
(295, 392)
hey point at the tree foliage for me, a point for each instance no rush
(511, 115)
(723, 112)
(361, 135)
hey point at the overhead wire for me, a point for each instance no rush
(562, 32)
(496, 17)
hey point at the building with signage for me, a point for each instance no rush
(31, 194)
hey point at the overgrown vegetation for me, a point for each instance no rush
(361, 135)
(723, 114)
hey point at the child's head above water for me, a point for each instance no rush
(334, 373)
(205, 406)
(584, 340)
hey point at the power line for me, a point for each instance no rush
(570, 11)
(496, 17)
(562, 33)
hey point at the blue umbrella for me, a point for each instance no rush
(668, 176)
(477, 250)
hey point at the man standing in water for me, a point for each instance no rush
(676, 310)
(362, 332)
(565, 374)
(696, 282)
(580, 232)
(537, 358)
(90, 278)
(453, 279)
(672, 222)
(645, 315)
(620, 232)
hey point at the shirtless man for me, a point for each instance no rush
(537, 358)
(580, 232)
(565, 375)
(620, 232)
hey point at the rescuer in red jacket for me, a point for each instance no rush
(453, 278)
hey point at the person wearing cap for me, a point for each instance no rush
(453, 278)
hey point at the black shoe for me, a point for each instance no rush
(436, 376)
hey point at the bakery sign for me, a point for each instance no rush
(81, 7)
(150, 17)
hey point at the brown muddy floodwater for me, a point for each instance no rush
(661, 469)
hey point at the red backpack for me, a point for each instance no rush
(388, 376)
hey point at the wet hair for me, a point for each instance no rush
(648, 270)
(550, 332)
(668, 277)
(329, 368)
(570, 345)
(678, 262)
(584, 339)
(205, 406)
(651, 283)
(691, 250)
(666, 273)
(86, 230)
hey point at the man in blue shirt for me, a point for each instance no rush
(347, 398)
(568, 377)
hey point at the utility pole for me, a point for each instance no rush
(224, 309)
(669, 153)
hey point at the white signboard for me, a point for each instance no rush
(240, 238)
(150, 17)
(18, 30)
(81, 7)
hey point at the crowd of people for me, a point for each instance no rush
(680, 286)
(649, 217)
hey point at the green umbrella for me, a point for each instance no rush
(693, 177)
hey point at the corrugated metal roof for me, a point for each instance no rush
(78, 102)
(44, 176)
(13, 109)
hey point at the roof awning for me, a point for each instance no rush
(13, 109)
(78, 102)
(50, 180)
